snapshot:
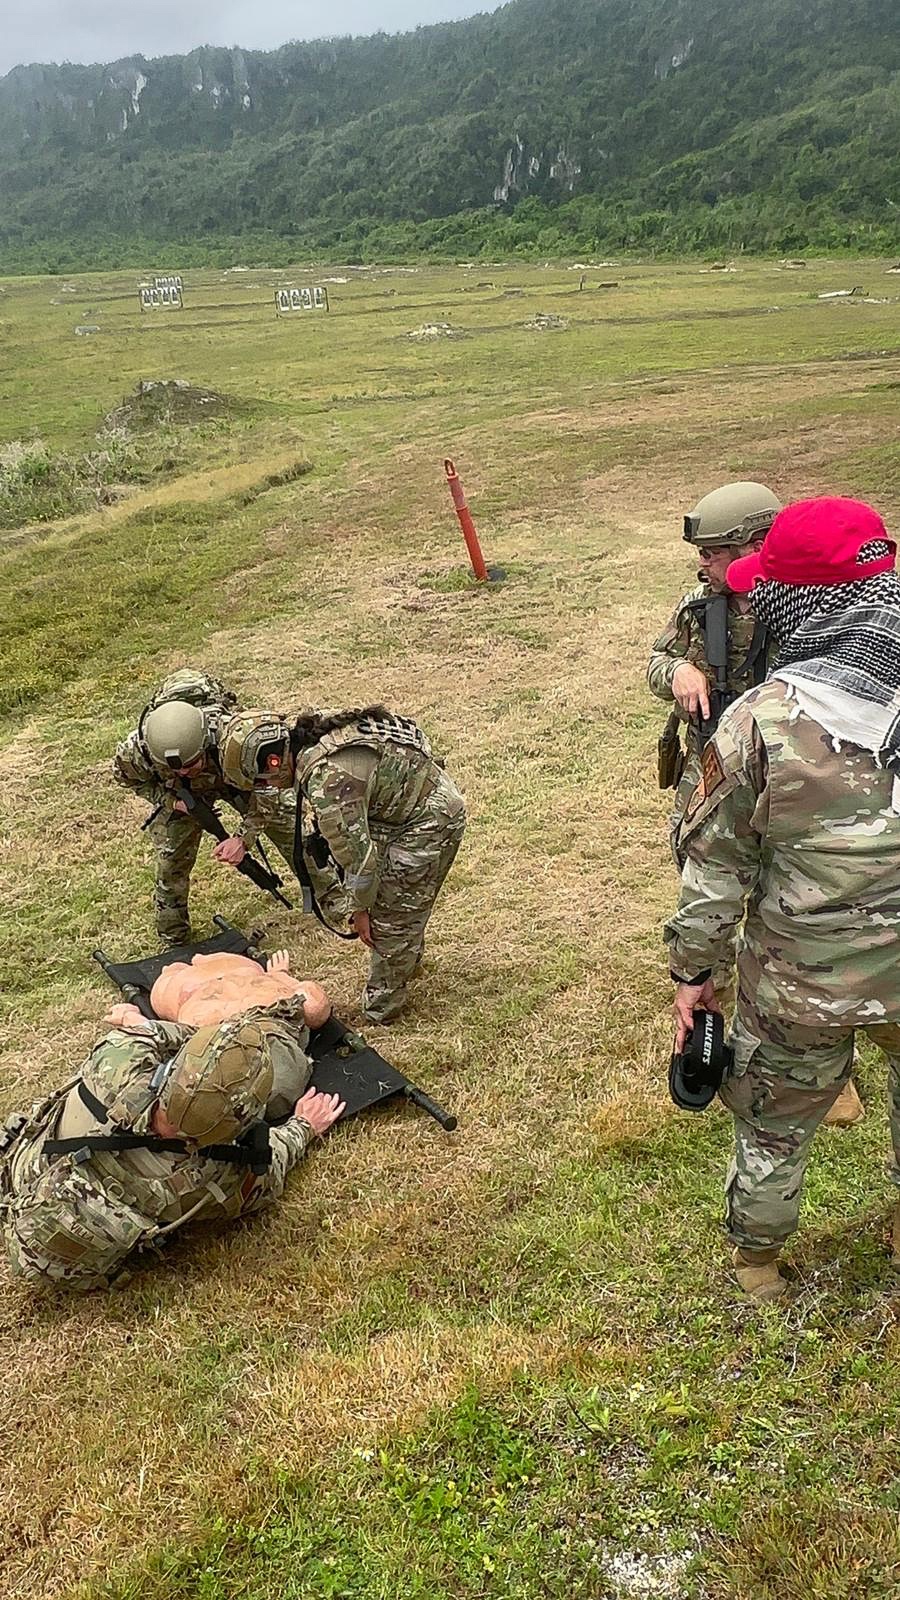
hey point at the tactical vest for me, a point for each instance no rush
(195, 688)
(824, 923)
(73, 1128)
(373, 733)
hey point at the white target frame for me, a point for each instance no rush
(290, 301)
(154, 297)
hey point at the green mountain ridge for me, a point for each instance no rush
(549, 124)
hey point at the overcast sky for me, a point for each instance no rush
(105, 30)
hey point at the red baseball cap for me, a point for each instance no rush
(815, 542)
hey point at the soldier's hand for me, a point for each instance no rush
(279, 961)
(690, 687)
(319, 1110)
(125, 1015)
(179, 808)
(691, 997)
(362, 925)
(231, 851)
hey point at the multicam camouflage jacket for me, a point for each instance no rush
(360, 779)
(75, 1221)
(803, 838)
(682, 640)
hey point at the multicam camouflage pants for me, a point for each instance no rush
(785, 1078)
(177, 840)
(415, 860)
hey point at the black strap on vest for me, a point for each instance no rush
(250, 1150)
(92, 1143)
(310, 903)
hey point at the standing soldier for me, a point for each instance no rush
(386, 811)
(176, 743)
(794, 830)
(712, 648)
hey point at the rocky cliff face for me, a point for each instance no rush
(675, 101)
(99, 104)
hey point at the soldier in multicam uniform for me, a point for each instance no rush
(795, 828)
(177, 738)
(712, 650)
(722, 526)
(162, 1126)
(388, 813)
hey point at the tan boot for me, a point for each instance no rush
(847, 1110)
(757, 1273)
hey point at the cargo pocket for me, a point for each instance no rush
(742, 1089)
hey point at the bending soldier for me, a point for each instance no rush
(163, 1126)
(712, 647)
(176, 743)
(390, 818)
(794, 830)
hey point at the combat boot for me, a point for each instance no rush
(847, 1109)
(757, 1273)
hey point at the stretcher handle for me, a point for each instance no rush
(419, 1098)
(128, 991)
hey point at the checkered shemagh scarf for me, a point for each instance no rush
(845, 639)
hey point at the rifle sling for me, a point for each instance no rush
(303, 874)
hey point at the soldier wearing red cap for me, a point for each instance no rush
(793, 832)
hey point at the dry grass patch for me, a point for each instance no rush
(565, 1238)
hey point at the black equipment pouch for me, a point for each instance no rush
(697, 1072)
(670, 755)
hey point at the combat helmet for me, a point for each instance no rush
(735, 514)
(252, 744)
(219, 1082)
(174, 734)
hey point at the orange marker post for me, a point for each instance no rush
(465, 522)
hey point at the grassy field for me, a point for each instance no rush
(510, 1362)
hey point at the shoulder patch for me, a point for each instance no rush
(712, 771)
(713, 777)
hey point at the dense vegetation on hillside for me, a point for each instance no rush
(548, 125)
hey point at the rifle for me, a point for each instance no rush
(211, 822)
(712, 611)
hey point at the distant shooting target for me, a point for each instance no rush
(158, 295)
(307, 299)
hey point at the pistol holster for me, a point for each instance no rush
(670, 756)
